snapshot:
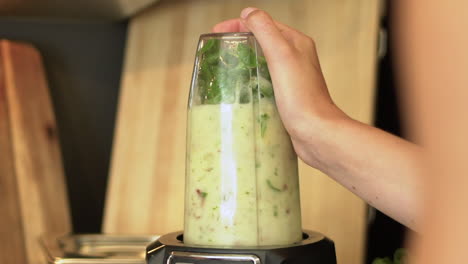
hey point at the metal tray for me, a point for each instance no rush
(96, 248)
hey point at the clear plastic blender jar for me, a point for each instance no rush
(242, 186)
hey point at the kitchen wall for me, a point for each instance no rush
(83, 61)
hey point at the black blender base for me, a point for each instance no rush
(313, 249)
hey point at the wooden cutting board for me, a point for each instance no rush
(32, 187)
(146, 187)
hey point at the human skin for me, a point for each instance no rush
(380, 168)
(432, 62)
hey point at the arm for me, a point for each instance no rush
(375, 165)
(380, 168)
(432, 65)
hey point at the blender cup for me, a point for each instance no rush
(242, 186)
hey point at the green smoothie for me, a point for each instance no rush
(242, 179)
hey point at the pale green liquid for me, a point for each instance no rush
(242, 187)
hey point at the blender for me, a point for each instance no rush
(242, 188)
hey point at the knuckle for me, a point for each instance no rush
(285, 51)
(310, 42)
(306, 43)
(258, 14)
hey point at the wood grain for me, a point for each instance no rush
(12, 247)
(146, 187)
(32, 181)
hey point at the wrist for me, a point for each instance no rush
(314, 137)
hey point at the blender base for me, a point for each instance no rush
(314, 248)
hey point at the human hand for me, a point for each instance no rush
(301, 94)
(382, 169)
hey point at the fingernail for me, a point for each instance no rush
(246, 12)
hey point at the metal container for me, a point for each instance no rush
(96, 248)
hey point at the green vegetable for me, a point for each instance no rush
(266, 88)
(201, 194)
(228, 71)
(275, 210)
(398, 258)
(209, 44)
(263, 123)
(272, 186)
(263, 68)
(382, 261)
(247, 55)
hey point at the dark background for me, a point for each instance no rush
(384, 234)
(83, 62)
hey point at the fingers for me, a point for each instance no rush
(288, 32)
(237, 25)
(266, 31)
(231, 25)
(279, 42)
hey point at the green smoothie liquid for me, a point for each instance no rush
(242, 184)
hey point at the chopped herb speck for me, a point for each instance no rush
(263, 123)
(275, 210)
(272, 186)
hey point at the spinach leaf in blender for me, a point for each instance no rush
(239, 153)
(227, 72)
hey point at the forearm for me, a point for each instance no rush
(377, 166)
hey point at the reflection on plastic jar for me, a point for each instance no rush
(242, 186)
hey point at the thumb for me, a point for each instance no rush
(266, 32)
